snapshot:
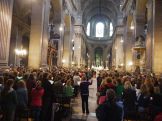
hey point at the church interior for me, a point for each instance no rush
(117, 36)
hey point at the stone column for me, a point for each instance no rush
(119, 51)
(18, 45)
(149, 36)
(38, 37)
(45, 36)
(67, 49)
(157, 43)
(77, 49)
(6, 8)
(92, 56)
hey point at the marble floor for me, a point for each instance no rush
(77, 114)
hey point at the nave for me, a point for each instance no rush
(52, 49)
(63, 94)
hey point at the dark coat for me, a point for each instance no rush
(84, 87)
(22, 96)
(129, 99)
(109, 112)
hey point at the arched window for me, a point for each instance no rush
(88, 29)
(100, 29)
(111, 29)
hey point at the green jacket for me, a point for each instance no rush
(68, 91)
(119, 90)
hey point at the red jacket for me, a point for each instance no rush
(158, 117)
(37, 97)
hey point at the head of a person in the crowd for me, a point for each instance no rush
(84, 78)
(21, 84)
(50, 77)
(119, 81)
(157, 90)
(1, 80)
(144, 90)
(127, 85)
(25, 77)
(38, 84)
(160, 81)
(111, 95)
(31, 77)
(9, 84)
(109, 80)
(68, 83)
(19, 74)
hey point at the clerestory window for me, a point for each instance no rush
(100, 29)
(111, 29)
(88, 29)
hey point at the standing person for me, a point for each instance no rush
(47, 97)
(8, 101)
(1, 88)
(93, 87)
(99, 80)
(84, 89)
(22, 96)
(129, 99)
(30, 84)
(68, 89)
(76, 80)
(36, 101)
(119, 88)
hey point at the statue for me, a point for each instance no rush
(140, 41)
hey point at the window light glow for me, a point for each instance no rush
(100, 29)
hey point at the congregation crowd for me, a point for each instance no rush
(121, 95)
(130, 96)
(36, 91)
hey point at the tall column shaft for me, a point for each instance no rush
(77, 49)
(67, 41)
(38, 40)
(6, 8)
(149, 36)
(45, 34)
(157, 55)
(128, 51)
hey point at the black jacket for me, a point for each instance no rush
(109, 112)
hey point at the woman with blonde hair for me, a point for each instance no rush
(143, 98)
(68, 89)
(129, 98)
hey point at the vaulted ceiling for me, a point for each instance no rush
(108, 8)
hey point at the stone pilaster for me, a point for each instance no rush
(6, 8)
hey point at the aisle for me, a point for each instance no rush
(77, 110)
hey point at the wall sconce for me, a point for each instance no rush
(21, 52)
(63, 61)
(121, 64)
(130, 63)
(132, 26)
